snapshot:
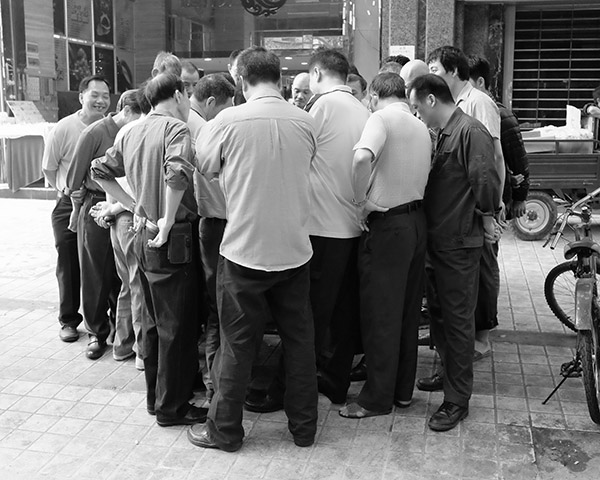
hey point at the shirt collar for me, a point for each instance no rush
(464, 93)
(447, 130)
(264, 92)
(339, 88)
(401, 105)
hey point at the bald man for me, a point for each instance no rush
(301, 90)
(412, 70)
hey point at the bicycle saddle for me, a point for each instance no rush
(572, 248)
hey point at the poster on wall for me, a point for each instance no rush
(79, 19)
(58, 7)
(124, 25)
(103, 21)
(60, 64)
(105, 65)
(80, 64)
(125, 80)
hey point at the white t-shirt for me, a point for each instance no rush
(339, 122)
(401, 146)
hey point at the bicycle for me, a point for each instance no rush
(579, 274)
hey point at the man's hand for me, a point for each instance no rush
(161, 238)
(363, 213)
(78, 195)
(492, 230)
(516, 180)
(104, 213)
(518, 209)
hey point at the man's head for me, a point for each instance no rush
(430, 97)
(391, 67)
(412, 70)
(166, 62)
(232, 65)
(257, 65)
(301, 90)
(386, 86)
(94, 95)
(190, 76)
(399, 59)
(480, 73)
(167, 90)
(327, 67)
(128, 106)
(450, 63)
(596, 95)
(212, 94)
(358, 85)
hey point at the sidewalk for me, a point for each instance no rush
(64, 416)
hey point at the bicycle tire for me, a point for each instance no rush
(590, 372)
(559, 290)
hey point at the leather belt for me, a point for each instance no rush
(399, 210)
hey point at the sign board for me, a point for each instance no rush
(406, 50)
(25, 112)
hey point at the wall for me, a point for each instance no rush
(150, 24)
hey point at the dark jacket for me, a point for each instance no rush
(515, 156)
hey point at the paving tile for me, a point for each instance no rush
(50, 443)
(19, 439)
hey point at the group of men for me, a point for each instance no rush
(317, 215)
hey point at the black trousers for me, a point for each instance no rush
(67, 264)
(391, 264)
(243, 297)
(451, 295)
(334, 300)
(100, 283)
(486, 311)
(169, 331)
(211, 234)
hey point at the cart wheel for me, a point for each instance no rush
(538, 219)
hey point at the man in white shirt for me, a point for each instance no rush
(261, 152)
(390, 171)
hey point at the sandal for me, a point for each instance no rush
(479, 355)
(354, 410)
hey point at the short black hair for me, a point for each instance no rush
(214, 85)
(387, 85)
(331, 60)
(400, 59)
(129, 98)
(431, 84)
(357, 78)
(391, 67)
(257, 64)
(85, 82)
(480, 67)
(143, 99)
(162, 87)
(352, 70)
(228, 77)
(451, 59)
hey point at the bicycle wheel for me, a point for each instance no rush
(589, 354)
(559, 290)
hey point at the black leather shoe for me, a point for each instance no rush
(193, 415)
(359, 373)
(68, 334)
(431, 384)
(327, 388)
(95, 348)
(265, 404)
(303, 442)
(447, 417)
(198, 435)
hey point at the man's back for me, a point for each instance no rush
(266, 146)
(339, 121)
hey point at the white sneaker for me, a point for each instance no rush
(139, 364)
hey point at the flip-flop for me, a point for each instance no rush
(354, 410)
(479, 355)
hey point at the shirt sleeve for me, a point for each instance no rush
(178, 166)
(488, 114)
(82, 159)
(110, 166)
(209, 147)
(481, 170)
(373, 136)
(51, 157)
